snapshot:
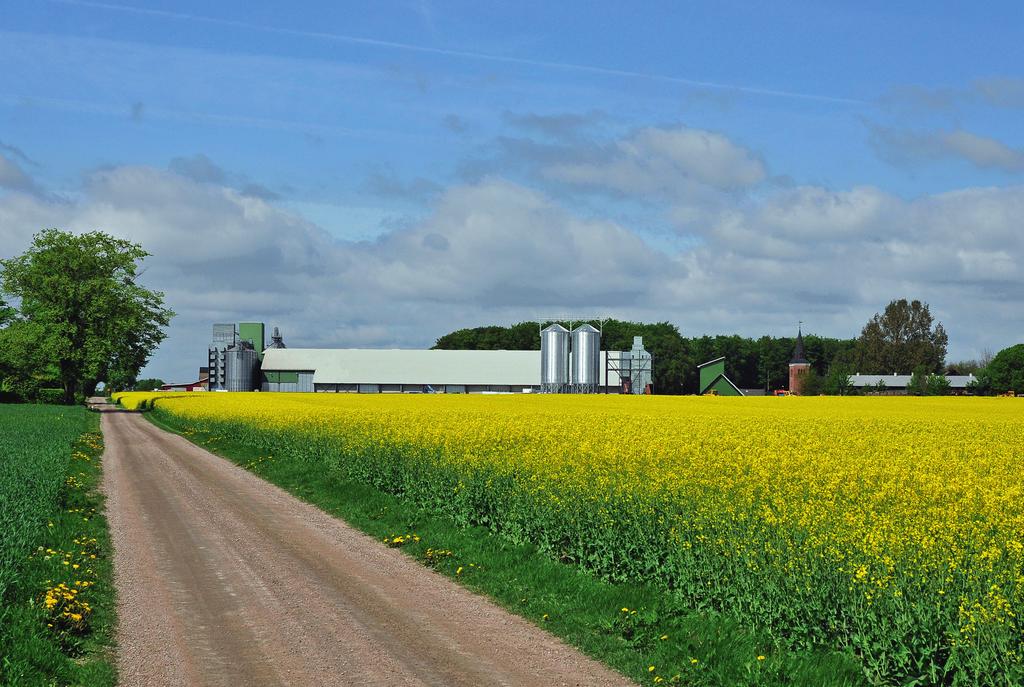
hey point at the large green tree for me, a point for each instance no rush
(81, 309)
(1006, 371)
(7, 313)
(902, 339)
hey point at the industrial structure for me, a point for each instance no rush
(224, 337)
(234, 356)
(568, 362)
(634, 368)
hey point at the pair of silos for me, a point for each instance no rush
(570, 361)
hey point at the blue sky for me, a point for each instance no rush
(385, 172)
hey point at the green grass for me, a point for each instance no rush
(51, 512)
(682, 645)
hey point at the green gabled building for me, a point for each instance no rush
(714, 380)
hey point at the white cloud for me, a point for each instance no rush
(499, 252)
(500, 243)
(992, 91)
(814, 214)
(665, 162)
(1001, 91)
(188, 222)
(13, 177)
(491, 251)
(905, 147)
(983, 151)
(841, 255)
(199, 168)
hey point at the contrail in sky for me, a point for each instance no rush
(463, 54)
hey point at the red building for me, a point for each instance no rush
(798, 366)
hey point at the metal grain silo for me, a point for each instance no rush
(586, 359)
(241, 362)
(554, 358)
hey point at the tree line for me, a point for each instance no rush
(903, 339)
(751, 363)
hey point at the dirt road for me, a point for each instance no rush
(224, 579)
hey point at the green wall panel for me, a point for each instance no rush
(282, 377)
(254, 332)
(708, 374)
(724, 388)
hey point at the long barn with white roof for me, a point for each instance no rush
(364, 370)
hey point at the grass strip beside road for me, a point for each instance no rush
(638, 630)
(57, 602)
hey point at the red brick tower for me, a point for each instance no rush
(798, 366)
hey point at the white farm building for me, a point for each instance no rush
(363, 370)
(895, 384)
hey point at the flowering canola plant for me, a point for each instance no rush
(889, 527)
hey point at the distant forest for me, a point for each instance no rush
(750, 363)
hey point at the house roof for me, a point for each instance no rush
(710, 362)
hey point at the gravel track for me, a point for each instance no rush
(225, 579)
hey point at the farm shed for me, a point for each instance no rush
(896, 385)
(199, 385)
(713, 379)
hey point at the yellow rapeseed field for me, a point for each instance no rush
(890, 526)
